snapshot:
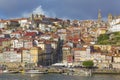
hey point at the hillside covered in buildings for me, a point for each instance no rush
(43, 41)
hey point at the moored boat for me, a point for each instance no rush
(35, 72)
(7, 71)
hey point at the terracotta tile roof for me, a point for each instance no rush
(26, 38)
(13, 20)
(66, 46)
(55, 36)
(47, 42)
(18, 19)
(41, 40)
(104, 28)
(116, 55)
(79, 49)
(16, 32)
(24, 48)
(2, 21)
(30, 34)
(110, 54)
(4, 39)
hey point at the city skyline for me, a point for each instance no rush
(67, 9)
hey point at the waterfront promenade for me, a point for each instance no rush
(106, 71)
(79, 71)
(71, 71)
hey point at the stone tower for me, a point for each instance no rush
(99, 16)
(32, 18)
(110, 18)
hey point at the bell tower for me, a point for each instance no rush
(99, 16)
(110, 18)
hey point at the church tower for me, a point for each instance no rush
(32, 18)
(99, 16)
(110, 18)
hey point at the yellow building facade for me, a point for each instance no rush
(34, 51)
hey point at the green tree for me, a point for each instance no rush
(109, 39)
(88, 64)
(103, 39)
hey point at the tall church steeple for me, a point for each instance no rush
(99, 16)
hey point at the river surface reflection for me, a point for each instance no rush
(56, 77)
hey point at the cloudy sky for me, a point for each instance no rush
(71, 9)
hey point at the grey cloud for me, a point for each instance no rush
(13, 8)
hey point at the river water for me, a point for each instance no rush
(56, 77)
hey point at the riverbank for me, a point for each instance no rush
(70, 71)
(106, 71)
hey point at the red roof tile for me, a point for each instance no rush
(81, 49)
(30, 34)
